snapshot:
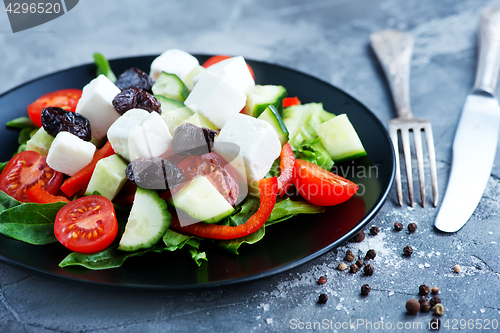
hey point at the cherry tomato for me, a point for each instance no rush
(87, 225)
(25, 170)
(319, 186)
(66, 99)
(218, 58)
(217, 171)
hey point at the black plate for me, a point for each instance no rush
(285, 246)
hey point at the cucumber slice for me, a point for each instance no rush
(148, 221)
(259, 97)
(202, 201)
(340, 139)
(272, 116)
(188, 81)
(108, 177)
(169, 85)
(173, 112)
(40, 142)
(200, 121)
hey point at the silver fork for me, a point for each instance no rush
(394, 51)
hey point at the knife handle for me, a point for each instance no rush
(394, 51)
(489, 52)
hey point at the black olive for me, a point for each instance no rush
(134, 98)
(154, 173)
(55, 120)
(190, 139)
(135, 78)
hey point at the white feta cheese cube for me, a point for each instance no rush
(235, 70)
(216, 99)
(69, 154)
(139, 133)
(151, 139)
(175, 62)
(121, 129)
(96, 105)
(258, 142)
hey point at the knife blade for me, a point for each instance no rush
(476, 138)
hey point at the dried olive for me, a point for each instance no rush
(55, 120)
(154, 173)
(134, 98)
(135, 78)
(193, 140)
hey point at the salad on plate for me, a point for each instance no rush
(168, 160)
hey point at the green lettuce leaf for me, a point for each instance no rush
(233, 245)
(285, 209)
(300, 121)
(197, 256)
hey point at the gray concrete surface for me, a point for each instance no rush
(327, 39)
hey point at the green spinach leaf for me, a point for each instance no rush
(21, 122)
(108, 258)
(103, 67)
(30, 222)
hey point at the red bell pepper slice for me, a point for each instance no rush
(268, 189)
(285, 179)
(289, 101)
(81, 179)
(37, 194)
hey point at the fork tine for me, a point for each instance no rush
(417, 138)
(432, 162)
(405, 137)
(394, 136)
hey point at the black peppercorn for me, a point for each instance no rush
(349, 256)
(422, 299)
(359, 263)
(374, 230)
(371, 254)
(368, 269)
(408, 251)
(412, 227)
(412, 306)
(435, 300)
(360, 236)
(353, 268)
(398, 226)
(322, 280)
(323, 298)
(424, 290)
(365, 289)
(425, 307)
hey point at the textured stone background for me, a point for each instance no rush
(327, 39)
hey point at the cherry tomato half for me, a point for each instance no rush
(87, 225)
(217, 171)
(25, 170)
(66, 99)
(319, 186)
(218, 58)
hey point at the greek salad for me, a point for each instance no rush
(187, 154)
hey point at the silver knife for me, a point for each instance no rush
(476, 138)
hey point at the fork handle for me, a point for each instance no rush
(394, 51)
(489, 52)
